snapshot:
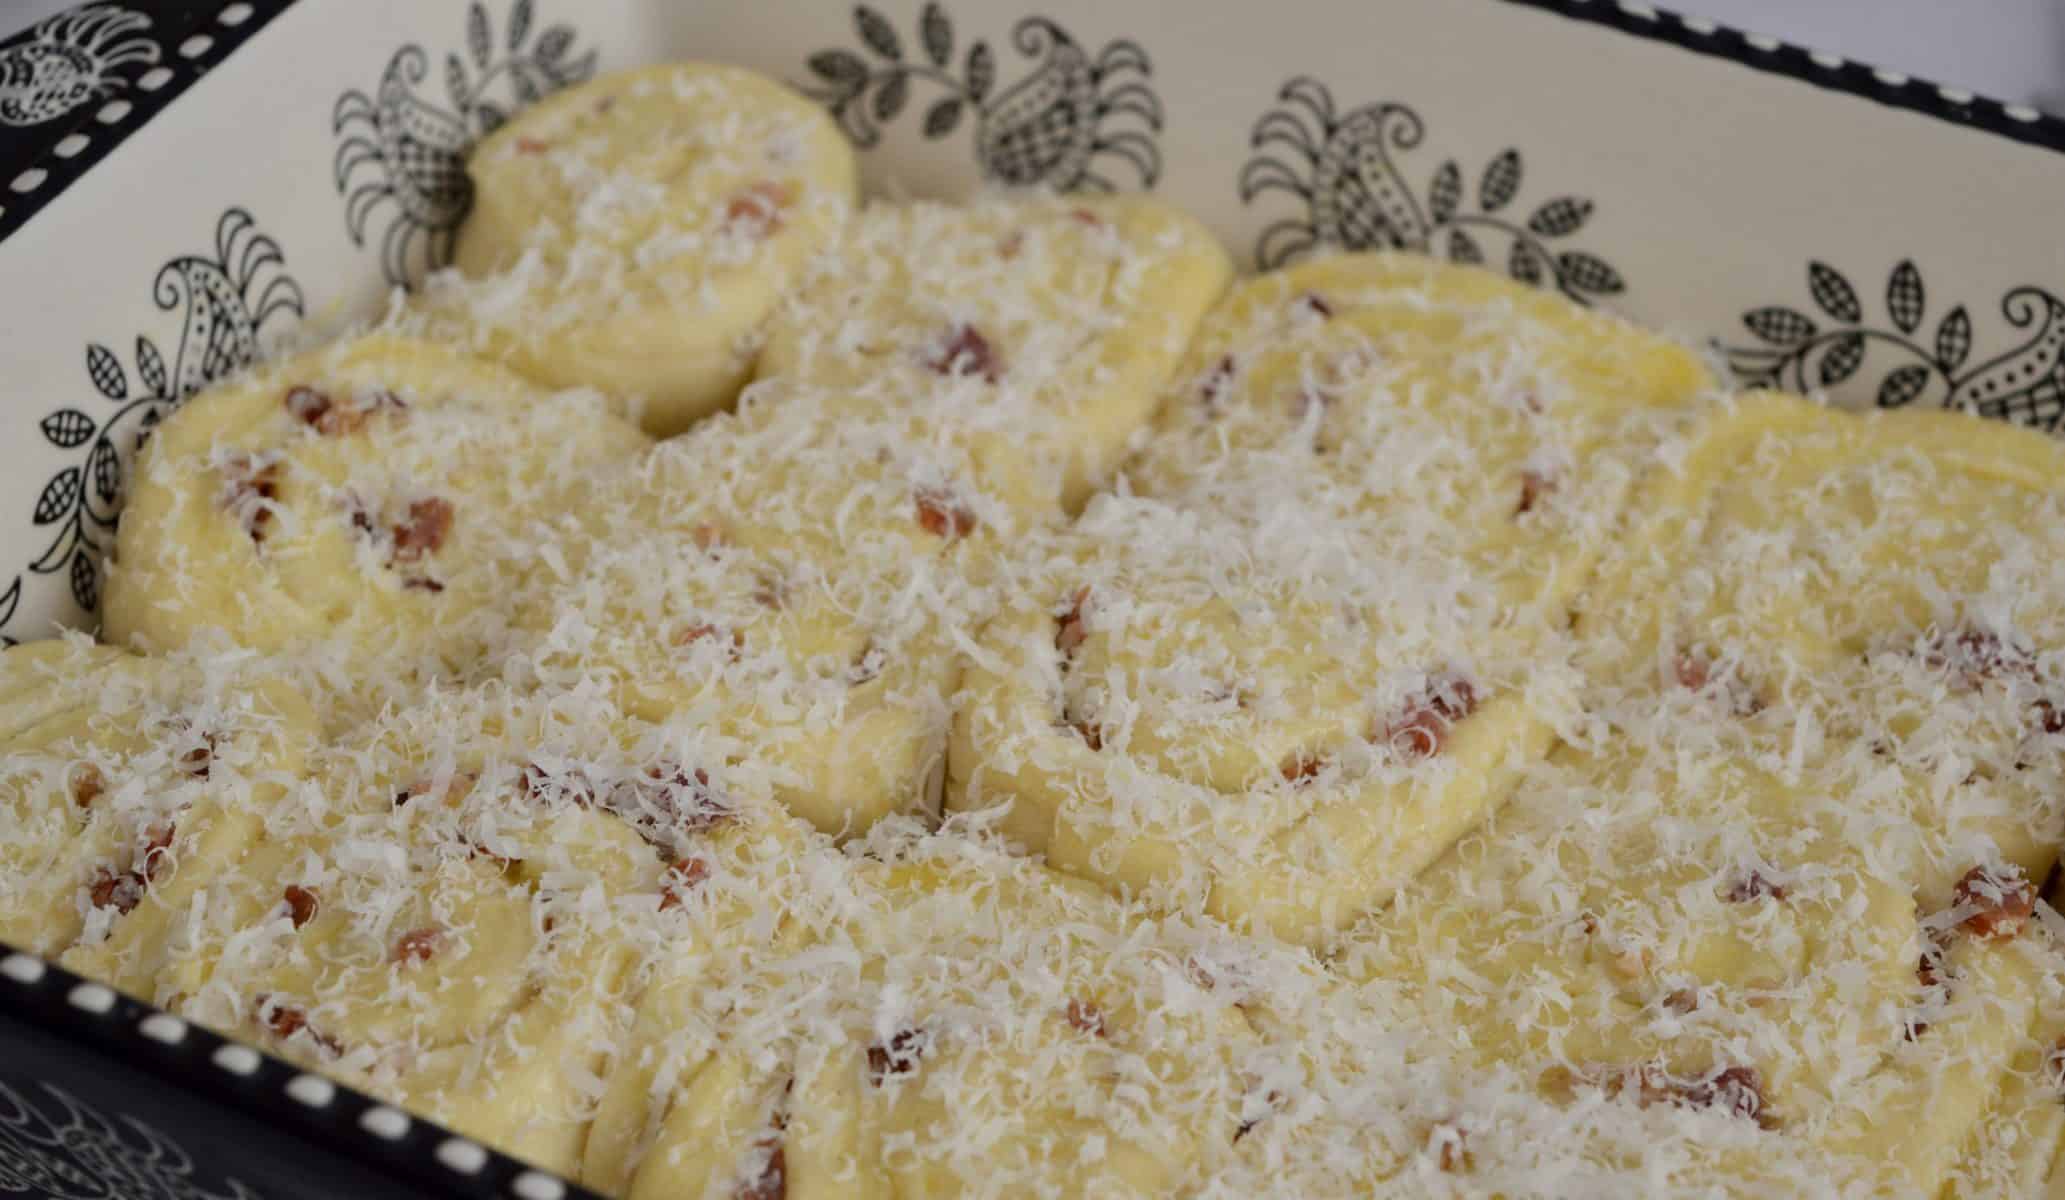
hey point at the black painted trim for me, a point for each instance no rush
(28, 148)
(95, 1043)
(1774, 56)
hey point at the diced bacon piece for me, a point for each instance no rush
(458, 789)
(1682, 1000)
(759, 211)
(543, 787)
(1257, 1107)
(1421, 727)
(1073, 627)
(666, 803)
(867, 665)
(1312, 304)
(690, 635)
(424, 530)
(1695, 672)
(1309, 401)
(1083, 216)
(1929, 969)
(941, 514)
(1754, 884)
(284, 1021)
(124, 890)
(307, 405)
(422, 583)
(200, 760)
(1737, 1091)
(250, 484)
(1302, 767)
(1971, 657)
(1449, 1146)
(361, 518)
(417, 946)
(1212, 388)
(86, 785)
(2050, 718)
(1090, 731)
(1086, 1017)
(302, 904)
(1534, 484)
(964, 351)
(898, 1056)
(317, 410)
(771, 1182)
(475, 848)
(531, 145)
(770, 589)
(157, 849)
(119, 890)
(686, 796)
(708, 535)
(681, 879)
(1999, 899)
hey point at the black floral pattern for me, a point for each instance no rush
(1344, 169)
(223, 303)
(65, 1149)
(1830, 346)
(71, 60)
(401, 152)
(1063, 124)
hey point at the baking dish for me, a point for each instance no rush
(186, 187)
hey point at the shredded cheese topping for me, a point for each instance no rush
(1396, 734)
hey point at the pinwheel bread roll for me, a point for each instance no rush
(131, 785)
(892, 1049)
(450, 910)
(1890, 586)
(1787, 868)
(384, 490)
(1498, 423)
(1036, 332)
(802, 590)
(634, 232)
(1313, 655)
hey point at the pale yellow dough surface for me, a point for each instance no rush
(632, 233)
(1053, 720)
(129, 785)
(786, 592)
(446, 910)
(884, 1049)
(384, 490)
(1035, 333)
(1313, 654)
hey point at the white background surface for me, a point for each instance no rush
(2010, 49)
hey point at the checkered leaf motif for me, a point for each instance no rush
(1075, 120)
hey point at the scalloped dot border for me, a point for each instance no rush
(163, 1028)
(95, 998)
(312, 1091)
(536, 1185)
(386, 1122)
(462, 1155)
(237, 1060)
(24, 969)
